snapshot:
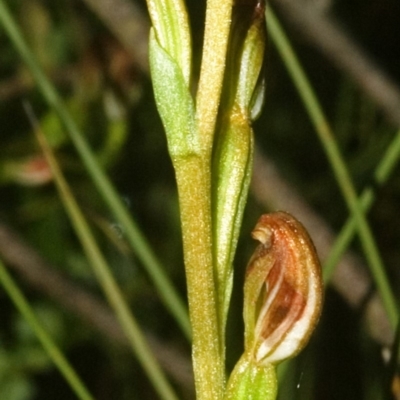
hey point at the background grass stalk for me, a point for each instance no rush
(340, 171)
(105, 277)
(193, 179)
(45, 339)
(382, 173)
(137, 240)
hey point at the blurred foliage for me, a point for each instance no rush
(112, 101)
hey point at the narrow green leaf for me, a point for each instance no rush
(174, 102)
(251, 381)
(45, 339)
(106, 279)
(384, 169)
(171, 28)
(251, 61)
(233, 150)
(335, 158)
(137, 240)
(233, 161)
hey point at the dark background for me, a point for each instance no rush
(83, 52)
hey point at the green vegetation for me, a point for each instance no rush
(127, 201)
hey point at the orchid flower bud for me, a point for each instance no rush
(283, 290)
(282, 303)
(31, 171)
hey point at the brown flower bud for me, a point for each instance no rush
(283, 289)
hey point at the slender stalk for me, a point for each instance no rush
(137, 240)
(336, 160)
(193, 178)
(45, 339)
(384, 169)
(193, 173)
(106, 279)
(216, 35)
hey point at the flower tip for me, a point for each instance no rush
(263, 234)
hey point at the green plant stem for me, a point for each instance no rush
(193, 175)
(339, 168)
(216, 36)
(47, 342)
(193, 178)
(106, 279)
(136, 239)
(382, 173)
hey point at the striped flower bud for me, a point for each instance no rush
(283, 290)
